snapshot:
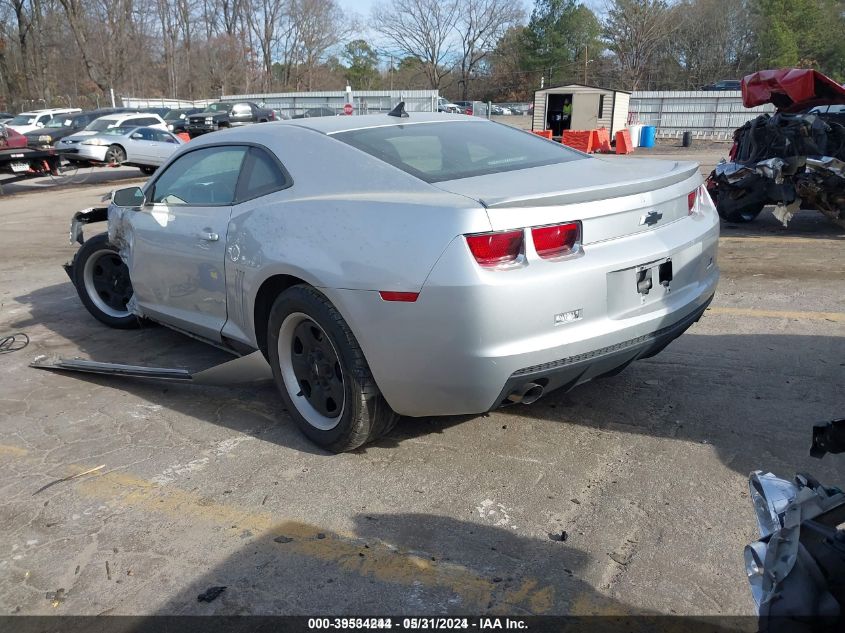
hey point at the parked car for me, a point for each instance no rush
(159, 110)
(12, 160)
(5, 117)
(70, 144)
(465, 107)
(143, 147)
(64, 125)
(830, 113)
(177, 120)
(316, 112)
(444, 105)
(9, 139)
(447, 267)
(28, 121)
(725, 84)
(222, 115)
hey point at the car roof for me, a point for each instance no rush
(334, 124)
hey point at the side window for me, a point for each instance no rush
(146, 134)
(261, 175)
(163, 137)
(145, 121)
(241, 109)
(207, 176)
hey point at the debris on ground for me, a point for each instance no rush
(211, 594)
(56, 597)
(561, 536)
(282, 539)
(63, 479)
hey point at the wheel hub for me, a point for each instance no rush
(317, 369)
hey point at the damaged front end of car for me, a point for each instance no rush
(793, 159)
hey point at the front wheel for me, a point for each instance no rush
(115, 155)
(322, 374)
(102, 281)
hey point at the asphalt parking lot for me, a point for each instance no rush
(194, 487)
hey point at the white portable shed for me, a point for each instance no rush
(592, 108)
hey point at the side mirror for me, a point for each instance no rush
(39, 124)
(129, 197)
(137, 136)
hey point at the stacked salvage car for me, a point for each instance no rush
(793, 159)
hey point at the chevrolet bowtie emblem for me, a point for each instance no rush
(651, 218)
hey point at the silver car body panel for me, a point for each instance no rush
(352, 225)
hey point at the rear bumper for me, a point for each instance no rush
(569, 372)
(472, 334)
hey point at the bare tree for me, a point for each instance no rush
(264, 18)
(422, 29)
(480, 25)
(634, 31)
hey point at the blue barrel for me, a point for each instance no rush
(647, 136)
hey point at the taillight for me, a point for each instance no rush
(696, 202)
(494, 249)
(557, 240)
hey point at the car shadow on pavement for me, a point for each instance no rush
(807, 224)
(752, 397)
(392, 564)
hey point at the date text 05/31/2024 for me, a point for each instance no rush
(416, 624)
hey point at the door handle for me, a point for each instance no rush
(208, 236)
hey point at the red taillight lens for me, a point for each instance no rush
(557, 240)
(389, 295)
(493, 249)
(692, 197)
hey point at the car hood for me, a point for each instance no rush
(791, 89)
(55, 133)
(576, 181)
(78, 136)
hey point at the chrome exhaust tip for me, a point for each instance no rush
(526, 394)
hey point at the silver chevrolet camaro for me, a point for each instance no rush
(420, 265)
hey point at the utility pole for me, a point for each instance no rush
(586, 58)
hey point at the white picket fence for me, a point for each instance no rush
(707, 114)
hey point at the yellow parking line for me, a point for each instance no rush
(836, 317)
(380, 559)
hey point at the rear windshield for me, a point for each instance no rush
(435, 152)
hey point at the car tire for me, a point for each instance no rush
(115, 155)
(317, 361)
(147, 170)
(102, 281)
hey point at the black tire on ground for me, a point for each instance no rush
(301, 313)
(115, 155)
(147, 170)
(102, 282)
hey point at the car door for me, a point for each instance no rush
(139, 146)
(177, 258)
(163, 145)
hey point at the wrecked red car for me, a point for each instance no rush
(792, 159)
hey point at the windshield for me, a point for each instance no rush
(22, 119)
(435, 152)
(117, 131)
(174, 115)
(101, 124)
(218, 107)
(59, 122)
